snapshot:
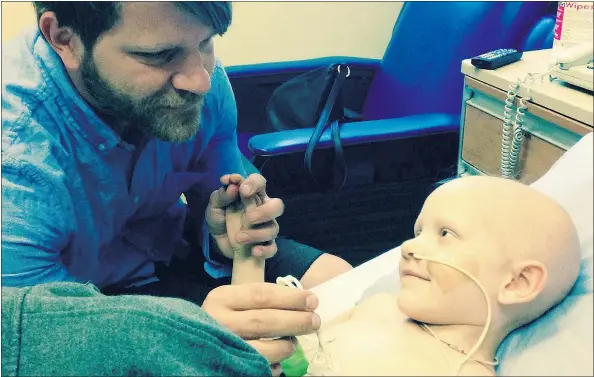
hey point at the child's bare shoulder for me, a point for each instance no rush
(377, 307)
(380, 306)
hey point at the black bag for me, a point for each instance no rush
(312, 99)
(298, 103)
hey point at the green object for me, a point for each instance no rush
(296, 365)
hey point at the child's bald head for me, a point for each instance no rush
(520, 243)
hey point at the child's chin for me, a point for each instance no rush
(406, 303)
(411, 305)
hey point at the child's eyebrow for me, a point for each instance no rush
(455, 224)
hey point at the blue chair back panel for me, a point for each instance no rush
(541, 35)
(420, 70)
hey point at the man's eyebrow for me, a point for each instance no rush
(209, 36)
(160, 47)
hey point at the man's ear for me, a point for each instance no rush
(63, 40)
(526, 281)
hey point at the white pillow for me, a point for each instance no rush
(560, 342)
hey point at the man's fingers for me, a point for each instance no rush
(272, 323)
(229, 179)
(275, 350)
(263, 310)
(254, 184)
(265, 251)
(251, 204)
(224, 196)
(228, 193)
(264, 296)
(264, 233)
(270, 209)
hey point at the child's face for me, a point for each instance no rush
(454, 226)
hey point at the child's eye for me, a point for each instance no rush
(446, 232)
(417, 233)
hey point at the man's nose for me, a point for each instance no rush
(192, 77)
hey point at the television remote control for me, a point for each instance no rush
(496, 58)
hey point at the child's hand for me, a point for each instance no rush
(246, 267)
(236, 221)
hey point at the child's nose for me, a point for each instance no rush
(406, 250)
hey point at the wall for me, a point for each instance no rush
(15, 16)
(280, 31)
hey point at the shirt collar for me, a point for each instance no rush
(90, 125)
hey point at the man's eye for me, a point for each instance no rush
(206, 45)
(157, 58)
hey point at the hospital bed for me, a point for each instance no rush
(558, 343)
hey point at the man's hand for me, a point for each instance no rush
(260, 228)
(263, 310)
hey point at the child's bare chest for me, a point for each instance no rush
(378, 340)
(363, 348)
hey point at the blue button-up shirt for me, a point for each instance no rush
(80, 204)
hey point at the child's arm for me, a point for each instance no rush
(246, 268)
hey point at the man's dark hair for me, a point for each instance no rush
(89, 19)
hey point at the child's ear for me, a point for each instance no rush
(525, 282)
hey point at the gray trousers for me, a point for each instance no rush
(71, 329)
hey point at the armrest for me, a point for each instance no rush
(354, 133)
(249, 70)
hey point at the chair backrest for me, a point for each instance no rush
(420, 70)
(541, 35)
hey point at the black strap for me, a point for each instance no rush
(342, 72)
(338, 152)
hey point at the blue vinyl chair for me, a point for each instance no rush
(414, 90)
(411, 101)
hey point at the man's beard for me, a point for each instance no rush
(170, 116)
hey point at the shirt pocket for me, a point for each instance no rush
(167, 193)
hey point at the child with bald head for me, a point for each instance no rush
(488, 256)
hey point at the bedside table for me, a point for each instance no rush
(556, 118)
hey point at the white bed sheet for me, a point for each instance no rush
(344, 291)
